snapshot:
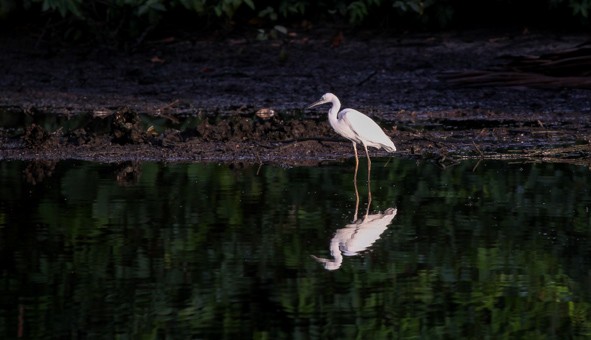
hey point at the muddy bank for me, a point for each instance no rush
(194, 99)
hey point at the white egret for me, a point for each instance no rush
(356, 127)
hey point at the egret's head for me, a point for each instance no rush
(327, 98)
(328, 264)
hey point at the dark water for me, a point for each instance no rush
(194, 251)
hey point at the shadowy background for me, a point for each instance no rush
(129, 22)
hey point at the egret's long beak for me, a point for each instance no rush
(320, 259)
(316, 104)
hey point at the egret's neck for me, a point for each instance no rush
(334, 110)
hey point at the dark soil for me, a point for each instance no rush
(238, 99)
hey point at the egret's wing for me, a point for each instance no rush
(364, 127)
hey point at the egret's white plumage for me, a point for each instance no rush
(356, 127)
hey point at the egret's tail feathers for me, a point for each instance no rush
(390, 148)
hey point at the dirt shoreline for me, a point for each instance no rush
(195, 99)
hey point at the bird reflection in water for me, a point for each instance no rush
(357, 236)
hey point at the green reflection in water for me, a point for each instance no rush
(152, 250)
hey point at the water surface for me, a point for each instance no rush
(154, 250)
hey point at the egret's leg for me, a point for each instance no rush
(356, 160)
(368, 163)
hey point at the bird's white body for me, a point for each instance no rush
(355, 126)
(360, 129)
